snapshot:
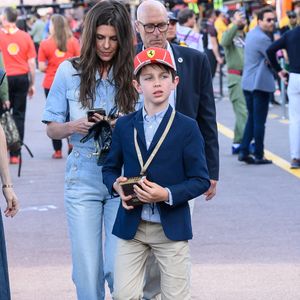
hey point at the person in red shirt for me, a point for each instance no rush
(59, 46)
(19, 59)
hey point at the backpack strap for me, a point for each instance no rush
(20, 164)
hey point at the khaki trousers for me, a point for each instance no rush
(173, 258)
(238, 101)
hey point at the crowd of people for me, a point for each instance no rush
(253, 69)
(153, 82)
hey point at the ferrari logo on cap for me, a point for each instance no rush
(150, 53)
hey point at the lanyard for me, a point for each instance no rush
(145, 166)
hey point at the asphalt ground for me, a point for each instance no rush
(246, 242)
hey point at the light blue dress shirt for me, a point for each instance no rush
(151, 123)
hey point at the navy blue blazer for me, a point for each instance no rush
(195, 99)
(179, 165)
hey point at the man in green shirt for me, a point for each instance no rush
(233, 42)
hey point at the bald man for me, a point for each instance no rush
(193, 97)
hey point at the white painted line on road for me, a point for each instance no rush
(277, 160)
(39, 208)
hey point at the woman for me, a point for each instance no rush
(59, 46)
(10, 211)
(7, 189)
(100, 78)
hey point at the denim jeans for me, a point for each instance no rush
(257, 106)
(4, 281)
(88, 208)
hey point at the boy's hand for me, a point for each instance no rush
(119, 190)
(150, 192)
(211, 192)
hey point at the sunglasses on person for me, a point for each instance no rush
(172, 22)
(269, 20)
(292, 17)
(150, 28)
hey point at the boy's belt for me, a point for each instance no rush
(235, 72)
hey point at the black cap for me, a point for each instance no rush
(172, 17)
(291, 14)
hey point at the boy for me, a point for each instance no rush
(166, 148)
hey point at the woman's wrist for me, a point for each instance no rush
(7, 186)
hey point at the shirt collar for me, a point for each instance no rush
(10, 30)
(110, 76)
(156, 117)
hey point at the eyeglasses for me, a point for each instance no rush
(150, 28)
(269, 20)
(292, 17)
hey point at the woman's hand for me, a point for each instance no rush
(113, 121)
(12, 202)
(6, 104)
(80, 126)
(97, 117)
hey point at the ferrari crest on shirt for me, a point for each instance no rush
(59, 53)
(13, 49)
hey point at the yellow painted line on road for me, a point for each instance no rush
(277, 160)
(272, 116)
(284, 121)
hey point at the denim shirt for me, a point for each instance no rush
(151, 123)
(63, 102)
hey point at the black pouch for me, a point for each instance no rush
(101, 132)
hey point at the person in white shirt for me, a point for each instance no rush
(185, 29)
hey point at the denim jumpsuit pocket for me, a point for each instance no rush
(73, 168)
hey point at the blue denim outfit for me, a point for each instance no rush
(87, 201)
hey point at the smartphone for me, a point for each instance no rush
(90, 113)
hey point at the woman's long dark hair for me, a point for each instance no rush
(115, 14)
(61, 31)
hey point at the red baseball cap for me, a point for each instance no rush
(151, 56)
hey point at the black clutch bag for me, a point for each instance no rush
(102, 134)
